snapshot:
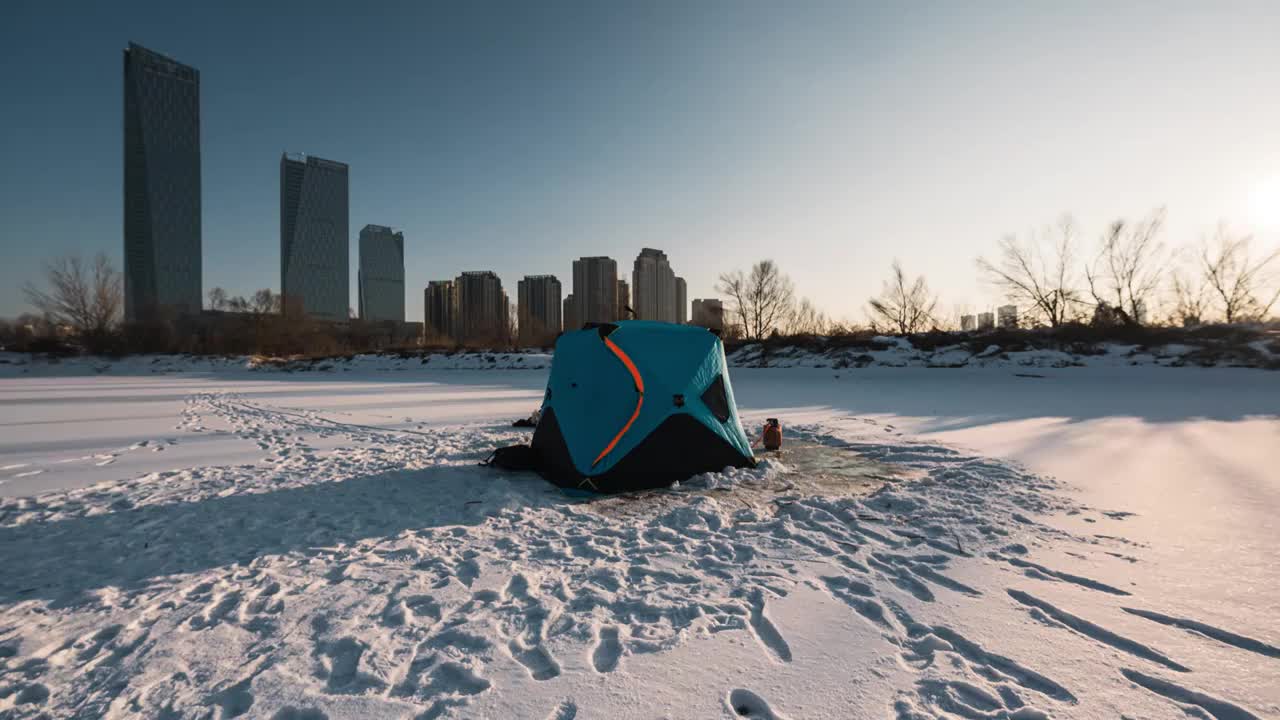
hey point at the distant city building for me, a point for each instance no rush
(595, 290)
(538, 304)
(410, 331)
(483, 308)
(1007, 316)
(624, 300)
(380, 279)
(968, 323)
(653, 287)
(389, 333)
(986, 321)
(709, 313)
(440, 310)
(162, 230)
(315, 250)
(570, 314)
(658, 293)
(682, 301)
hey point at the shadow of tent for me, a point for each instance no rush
(131, 547)
(944, 399)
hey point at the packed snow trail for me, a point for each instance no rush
(358, 568)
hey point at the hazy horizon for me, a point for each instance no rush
(832, 138)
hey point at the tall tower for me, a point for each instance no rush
(624, 300)
(482, 307)
(595, 289)
(440, 311)
(653, 287)
(682, 302)
(570, 314)
(314, 237)
(380, 279)
(162, 261)
(539, 308)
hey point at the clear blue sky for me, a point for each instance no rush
(517, 136)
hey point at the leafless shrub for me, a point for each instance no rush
(1190, 299)
(806, 319)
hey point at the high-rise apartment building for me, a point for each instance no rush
(682, 302)
(653, 287)
(624, 300)
(570, 314)
(595, 289)
(709, 313)
(162, 227)
(380, 279)
(440, 311)
(314, 237)
(1007, 316)
(538, 304)
(483, 308)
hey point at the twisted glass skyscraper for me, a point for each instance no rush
(162, 263)
(314, 241)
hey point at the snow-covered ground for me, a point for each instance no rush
(214, 541)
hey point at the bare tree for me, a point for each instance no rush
(1244, 287)
(806, 319)
(761, 300)
(903, 308)
(1038, 273)
(86, 299)
(1125, 276)
(217, 299)
(265, 302)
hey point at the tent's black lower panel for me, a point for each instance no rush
(553, 452)
(678, 449)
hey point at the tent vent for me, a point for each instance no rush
(716, 400)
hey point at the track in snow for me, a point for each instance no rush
(382, 566)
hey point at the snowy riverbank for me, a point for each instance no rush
(891, 352)
(1085, 542)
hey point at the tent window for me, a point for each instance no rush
(716, 400)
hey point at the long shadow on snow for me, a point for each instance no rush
(959, 398)
(132, 547)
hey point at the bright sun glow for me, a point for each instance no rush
(1264, 203)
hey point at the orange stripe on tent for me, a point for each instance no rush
(635, 375)
(627, 361)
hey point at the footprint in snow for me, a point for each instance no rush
(540, 664)
(566, 710)
(747, 704)
(605, 657)
(764, 629)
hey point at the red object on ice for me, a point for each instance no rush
(771, 437)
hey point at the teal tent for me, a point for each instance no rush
(638, 404)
